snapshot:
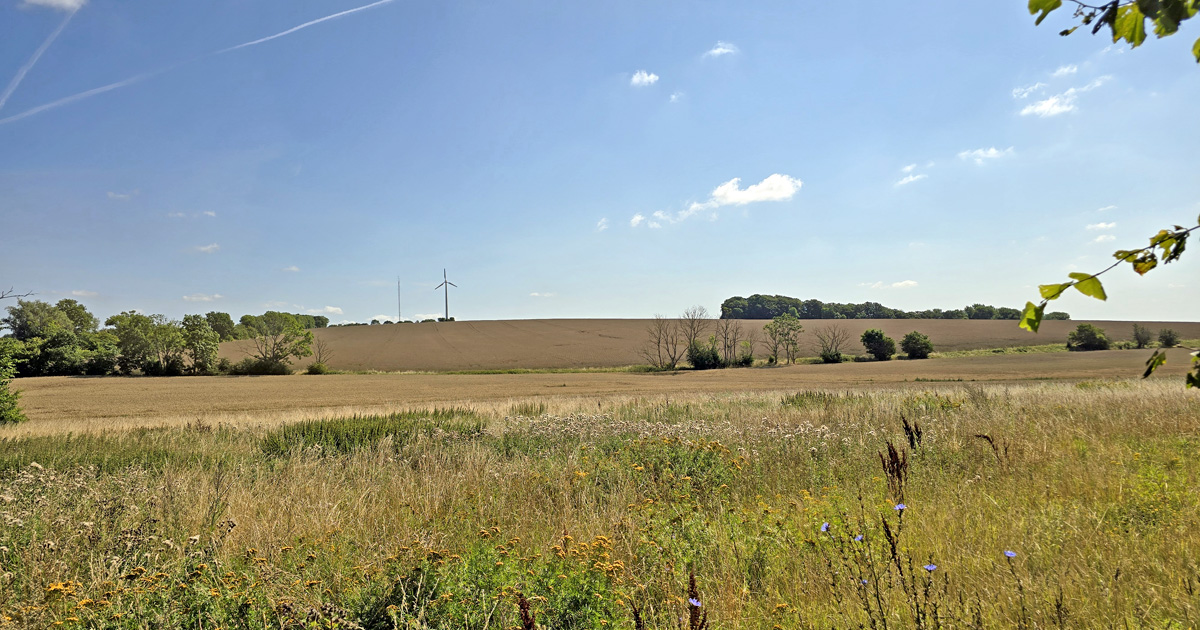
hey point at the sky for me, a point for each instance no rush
(584, 159)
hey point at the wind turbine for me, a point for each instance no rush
(446, 283)
(399, 311)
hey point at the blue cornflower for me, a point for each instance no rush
(693, 601)
(930, 567)
(900, 507)
(1010, 554)
(824, 527)
(858, 538)
(864, 580)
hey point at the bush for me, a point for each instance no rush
(878, 344)
(916, 345)
(10, 410)
(1141, 336)
(224, 366)
(1087, 337)
(257, 367)
(831, 356)
(705, 356)
(317, 368)
(1168, 338)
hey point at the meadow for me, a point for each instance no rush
(921, 505)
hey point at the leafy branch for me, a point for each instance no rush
(1125, 19)
(1165, 247)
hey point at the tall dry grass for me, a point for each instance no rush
(451, 517)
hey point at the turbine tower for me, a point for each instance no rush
(447, 284)
(399, 312)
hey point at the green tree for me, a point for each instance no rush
(81, 320)
(133, 332)
(1087, 337)
(878, 344)
(1168, 338)
(279, 339)
(1142, 336)
(35, 318)
(783, 333)
(222, 324)
(916, 345)
(200, 344)
(10, 409)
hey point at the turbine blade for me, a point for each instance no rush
(453, 285)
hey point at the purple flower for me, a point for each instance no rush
(693, 601)
(1010, 554)
(864, 580)
(900, 507)
(858, 538)
(824, 527)
(930, 567)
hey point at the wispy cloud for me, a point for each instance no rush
(908, 169)
(176, 215)
(903, 284)
(328, 310)
(209, 213)
(642, 78)
(122, 196)
(142, 77)
(208, 249)
(676, 97)
(202, 297)
(776, 187)
(908, 179)
(81, 293)
(61, 5)
(1105, 238)
(602, 224)
(1102, 226)
(541, 295)
(1061, 103)
(384, 318)
(37, 54)
(981, 155)
(722, 48)
(636, 220)
(1065, 70)
(1106, 208)
(292, 268)
(1024, 92)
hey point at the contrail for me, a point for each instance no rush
(305, 25)
(12, 85)
(146, 75)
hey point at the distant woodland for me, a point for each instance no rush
(771, 306)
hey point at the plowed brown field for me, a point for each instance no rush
(575, 343)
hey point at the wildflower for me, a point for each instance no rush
(858, 538)
(824, 527)
(900, 507)
(694, 602)
(930, 567)
(1010, 554)
(864, 581)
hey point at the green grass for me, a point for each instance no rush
(448, 518)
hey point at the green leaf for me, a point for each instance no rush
(1130, 25)
(1090, 286)
(1044, 7)
(1125, 255)
(1053, 291)
(1154, 362)
(1144, 264)
(1031, 318)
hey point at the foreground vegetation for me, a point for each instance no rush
(786, 508)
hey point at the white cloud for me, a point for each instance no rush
(176, 215)
(328, 310)
(979, 155)
(903, 284)
(636, 220)
(676, 97)
(1102, 226)
(722, 48)
(81, 293)
(908, 169)
(209, 213)
(292, 268)
(122, 196)
(654, 225)
(775, 187)
(1065, 70)
(1061, 103)
(1106, 208)
(1024, 92)
(384, 318)
(208, 249)
(541, 295)
(61, 5)
(602, 224)
(643, 78)
(908, 179)
(202, 297)
(1105, 238)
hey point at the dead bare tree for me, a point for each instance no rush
(664, 343)
(729, 333)
(694, 324)
(322, 353)
(833, 339)
(10, 293)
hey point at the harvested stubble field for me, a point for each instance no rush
(88, 404)
(1030, 506)
(582, 343)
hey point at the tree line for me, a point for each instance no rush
(65, 339)
(771, 306)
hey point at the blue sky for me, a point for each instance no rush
(613, 159)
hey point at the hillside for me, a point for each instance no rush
(577, 343)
